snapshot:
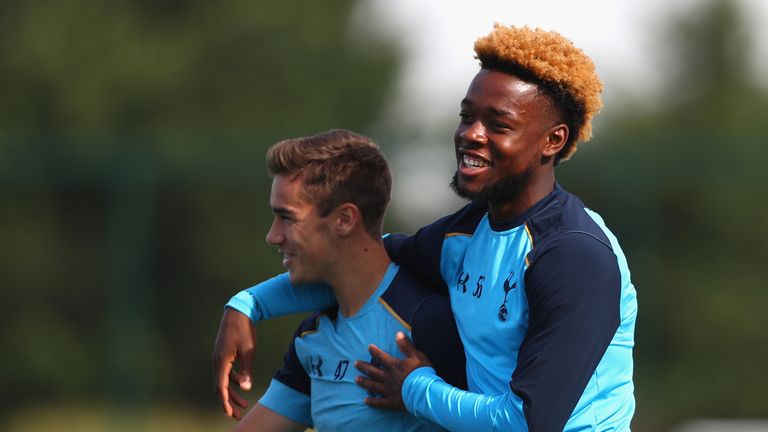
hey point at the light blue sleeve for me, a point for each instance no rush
(277, 297)
(427, 396)
(288, 403)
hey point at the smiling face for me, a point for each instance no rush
(303, 237)
(505, 139)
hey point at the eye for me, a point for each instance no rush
(465, 117)
(498, 126)
(284, 217)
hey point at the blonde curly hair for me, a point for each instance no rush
(559, 68)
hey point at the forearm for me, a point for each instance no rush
(277, 297)
(427, 396)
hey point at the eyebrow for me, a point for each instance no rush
(282, 211)
(493, 110)
(501, 112)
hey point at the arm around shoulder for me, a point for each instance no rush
(277, 296)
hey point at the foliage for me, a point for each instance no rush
(683, 185)
(134, 198)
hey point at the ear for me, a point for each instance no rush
(557, 136)
(347, 219)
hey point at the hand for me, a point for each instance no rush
(388, 379)
(235, 342)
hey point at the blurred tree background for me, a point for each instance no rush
(134, 195)
(683, 185)
(134, 200)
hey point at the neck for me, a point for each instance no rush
(538, 188)
(364, 263)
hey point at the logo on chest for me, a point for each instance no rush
(461, 284)
(475, 289)
(316, 368)
(503, 312)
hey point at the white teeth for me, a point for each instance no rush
(473, 162)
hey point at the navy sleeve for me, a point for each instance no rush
(292, 373)
(420, 253)
(573, 290)
(434, 333)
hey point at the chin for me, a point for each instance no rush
(302, 279)
(296, 279)
(461, 188)
(470, 189)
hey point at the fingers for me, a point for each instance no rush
(410, 351)
(385, 397)
(405, 345)
(237, 414)
(372, 386)
(238, 404)
(384, 403)
(246, 362)
(235, 377)
(372, 371)
(236, 399)
(222, 385)
(235, 341)
(230, 399)
(380, 356)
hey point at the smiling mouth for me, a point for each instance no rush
(474, 162)
(287, 259)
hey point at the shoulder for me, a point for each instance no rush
(568, 226)
(572, 260)
(407, 294)
(311, 324)
(463, 221)
(422, 310)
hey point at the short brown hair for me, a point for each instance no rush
(563, 71)
(337, 167)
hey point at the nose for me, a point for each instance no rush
(474, 133)
(275, 235)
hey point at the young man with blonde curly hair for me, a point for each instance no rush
(539, 287)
